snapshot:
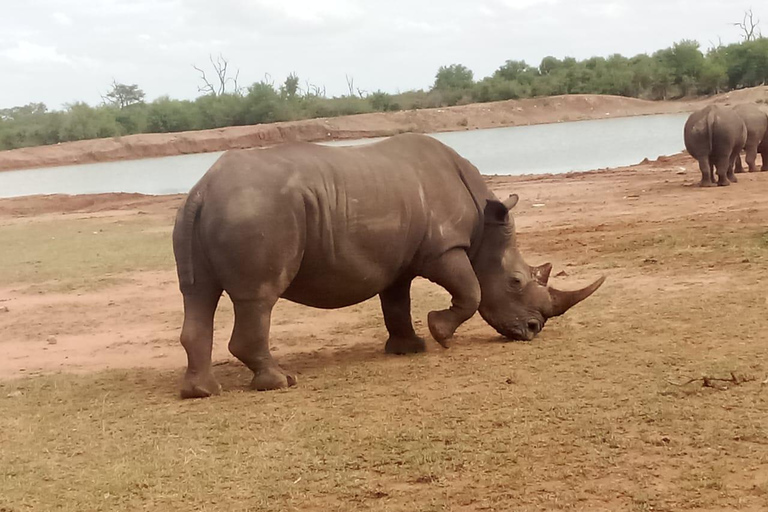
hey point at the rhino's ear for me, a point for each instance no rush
(511, 201)
(496, 213)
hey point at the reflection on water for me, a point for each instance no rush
(547, 148)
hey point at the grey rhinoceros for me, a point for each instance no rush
(333, 226)
(756, 121)
(715, 136)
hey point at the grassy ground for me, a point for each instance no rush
(593, 415)
(82, 251)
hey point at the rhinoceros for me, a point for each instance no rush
(715, 136)
(756, 121)
(330, 227)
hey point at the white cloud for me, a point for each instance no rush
(62, 19)
(392, 45)
(526, 4)
(27, 52)
(312, 11)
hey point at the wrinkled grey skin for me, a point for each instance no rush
(756, 122)
(333, 226)
(715, 136)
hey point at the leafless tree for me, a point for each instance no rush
(749, 26)
(315, 90)
(222, 80)
(354, 90)
(350, 84)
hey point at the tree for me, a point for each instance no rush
(685, 62)
(748, 26)
(515, 70)
(290, 88)
(453, 77)
(382, 102)
(222, 80)
(167, 115)
(122, 95)
(549, 65)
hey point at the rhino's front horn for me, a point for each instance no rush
(541, 273)
(562, 301)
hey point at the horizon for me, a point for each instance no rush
(83, 48)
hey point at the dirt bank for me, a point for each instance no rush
(468, 117)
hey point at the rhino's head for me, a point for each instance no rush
(516, 300)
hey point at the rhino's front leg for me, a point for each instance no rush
(396, 306)
(250, 344)
(454, 272)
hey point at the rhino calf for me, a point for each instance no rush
(329, 227)
(756, 121)
(715, 136)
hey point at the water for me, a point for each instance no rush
(547, 148)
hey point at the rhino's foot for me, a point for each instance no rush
(405, 345)
(705, 184)
(272, 378)
(442, 325)
(723, 183)
(733, 179)
(199, 386)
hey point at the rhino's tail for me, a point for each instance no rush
(183, 235)
(711, 129)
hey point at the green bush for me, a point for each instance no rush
(681, 70)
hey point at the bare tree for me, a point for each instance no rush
(749, 26)
(354, 90)
(315, 90)
(350, 84)
(222, 80)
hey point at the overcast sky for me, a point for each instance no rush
(60, 51)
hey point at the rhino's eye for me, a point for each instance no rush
(515, 282)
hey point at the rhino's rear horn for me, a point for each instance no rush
(562, 301)
(541, 273)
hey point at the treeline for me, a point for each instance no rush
(679, 71)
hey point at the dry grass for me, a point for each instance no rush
(82, 253)
(584, 418)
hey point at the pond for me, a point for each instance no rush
(546, 148)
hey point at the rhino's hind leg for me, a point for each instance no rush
(396, 306)
(751, 157)
(197, 340)
(722, 164)
(250, 344)
(735, 157)
(707, 173)
(454, 272)
(738, 167)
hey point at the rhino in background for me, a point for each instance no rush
(715, 136)
(756, 121)
(330, 227)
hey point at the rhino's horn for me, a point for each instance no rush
(562, 301)
(541, 273)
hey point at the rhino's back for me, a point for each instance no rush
(754, 118)
(362, 215)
